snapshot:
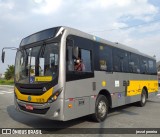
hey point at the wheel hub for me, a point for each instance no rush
(102, 109)
(143, 98)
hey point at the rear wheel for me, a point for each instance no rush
(101, 109)
(143, 100)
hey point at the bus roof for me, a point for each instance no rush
(93, 38)
(98, 39)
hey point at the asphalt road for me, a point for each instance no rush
(128, 116)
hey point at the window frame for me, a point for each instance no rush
(77, 75)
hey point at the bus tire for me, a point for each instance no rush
(101, 109)
(143, 100)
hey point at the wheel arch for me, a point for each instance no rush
(107, 94)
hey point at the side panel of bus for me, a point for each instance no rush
(108, 69)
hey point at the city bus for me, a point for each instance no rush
(47, 83)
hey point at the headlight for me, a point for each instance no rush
(55, 95)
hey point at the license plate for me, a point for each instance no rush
(29, 107)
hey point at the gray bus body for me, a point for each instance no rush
(79, 90)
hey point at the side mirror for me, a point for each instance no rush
(75, 51)
(3, 52)
(3, 56)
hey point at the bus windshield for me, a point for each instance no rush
(38, 64)
(42, 35)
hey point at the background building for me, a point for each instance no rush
(1, 75)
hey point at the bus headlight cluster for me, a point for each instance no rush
(55, 95)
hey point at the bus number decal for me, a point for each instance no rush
(80, 102)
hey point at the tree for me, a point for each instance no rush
(9, 74)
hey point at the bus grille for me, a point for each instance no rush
(31, 91)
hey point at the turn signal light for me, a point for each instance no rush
(70, 106)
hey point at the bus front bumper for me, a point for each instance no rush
(46, 110)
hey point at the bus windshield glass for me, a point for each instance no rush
(38, 64)
(42, 35)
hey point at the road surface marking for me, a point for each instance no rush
(5, 92)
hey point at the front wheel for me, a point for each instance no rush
(101, 109)
(143, 100)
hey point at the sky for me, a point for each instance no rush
(135, 23)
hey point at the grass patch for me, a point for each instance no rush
(6, 82)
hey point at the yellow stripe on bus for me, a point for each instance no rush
(135, 86)
(36, 99)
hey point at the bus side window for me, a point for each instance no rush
(120, 58)
(86, 60)
(83, 62)
(144, 65)
(152, 68)
(125, 61)
(116, 60)
(105, 58)
(134, 63)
